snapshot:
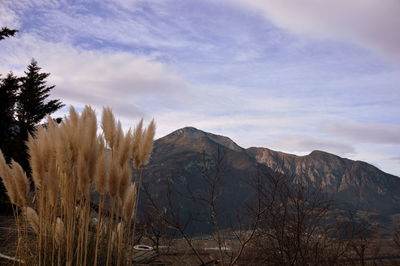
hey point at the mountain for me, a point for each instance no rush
(356, 183)
(181, 156)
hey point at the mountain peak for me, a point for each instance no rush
(189, 132)
(324, 154)
(194, 133)
(319, 152)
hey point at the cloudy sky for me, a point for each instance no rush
(293, 76)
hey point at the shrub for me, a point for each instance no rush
(83, 209)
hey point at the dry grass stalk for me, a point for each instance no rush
(102, 172)
(21, 182)
(147, 143)
(125, 180)
(59, 231)
(108, 126)
(136, 142)
(8, 181)
(72, 166)
(32, 217)
(129, 202)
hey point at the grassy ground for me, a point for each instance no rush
(8, 236)
(179, 254)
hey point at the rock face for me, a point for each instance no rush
(355, 183)
(179, 158)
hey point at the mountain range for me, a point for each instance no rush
(180, 159)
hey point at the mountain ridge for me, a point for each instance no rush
(227, 142)
(178, 161)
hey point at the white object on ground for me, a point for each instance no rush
(143, 247)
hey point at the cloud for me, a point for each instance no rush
(372, 23)
(121, 80)
(220, 69)
(133, 5)
(307, 144)
(397, 158)
(365, 132)
(8, 18)
(131, 25)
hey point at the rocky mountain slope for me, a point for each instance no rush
(356, 183)
(179, 159)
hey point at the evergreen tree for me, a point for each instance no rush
(8, 97)
(6, 32)
(32, 106)
(8, 90)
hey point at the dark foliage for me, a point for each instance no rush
(8, 98)
(23, 105)
(31, 106)
(6, 32)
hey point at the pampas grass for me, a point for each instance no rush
(8, 181)
(147, 144)
(74, 168)
(32, 218)
(21, 182)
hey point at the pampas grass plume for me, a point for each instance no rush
(52, 184)
(8, 181)
(108, 126)
(147, 143)
(73, 116)
(67, 161)
(136, 140)
(35, 157)
(63, 155)
(114, 179)
(120, 230)
(119, 135)
(124, 181)
(59, 231)
(51, 124)
(129, 202)
(83, 175)
(32, 217)
(21, 182)
(124, 148)
(102, 171)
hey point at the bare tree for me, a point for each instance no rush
(229, 241)
(157, 231)
(293, 229)
(360, 238)
(172, 218)
(288, 221)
